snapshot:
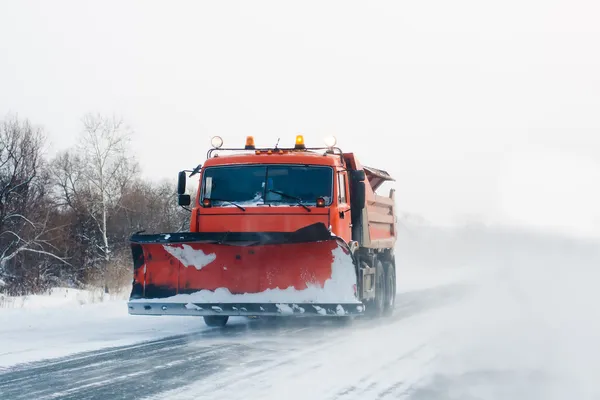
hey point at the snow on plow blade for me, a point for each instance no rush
(306, 272)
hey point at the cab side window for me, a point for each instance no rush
(341, 188)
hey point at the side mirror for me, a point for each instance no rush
(185, 200)
(181, 183)
(358, 175)
(359, 195)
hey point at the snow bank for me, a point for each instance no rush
(33, 334)
(338, 289)
(66, 321)
(60, 297)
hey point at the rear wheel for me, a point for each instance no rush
(376, 306)
(216, 320)
(390, 288)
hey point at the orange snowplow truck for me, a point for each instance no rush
(273, 232)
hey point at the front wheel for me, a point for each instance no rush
(216, 320)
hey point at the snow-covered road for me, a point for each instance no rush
(480, 314)
(316, 359)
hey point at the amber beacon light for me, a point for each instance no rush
(299, 142)
(250, 143)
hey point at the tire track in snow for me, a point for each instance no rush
(142, 369)
(365, 359)
(303, 364)
(121, 372)
(375, 358)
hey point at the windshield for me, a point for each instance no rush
(267, 184)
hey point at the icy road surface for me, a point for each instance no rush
(262, 358)
(479, 315)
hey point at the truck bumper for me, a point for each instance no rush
(246, 309)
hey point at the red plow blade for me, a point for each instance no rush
(303, 272)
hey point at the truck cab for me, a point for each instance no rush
(276, 190)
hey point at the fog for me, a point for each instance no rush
(522, 322)
(485, 113)
(482, 112)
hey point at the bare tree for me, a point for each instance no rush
(93, 178)
(24, 206)
(152, 207)
(107, 168)
(83, 241)
(69, 222)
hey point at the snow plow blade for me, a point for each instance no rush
(308, 272)
(246, 309)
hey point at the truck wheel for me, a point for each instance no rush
(390, 289)
(377, 305)
(216, 320)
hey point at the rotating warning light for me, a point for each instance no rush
(320, 202)
(206, 202)
(250, 143)
(330, 141)
(299, 142)
(216, 142)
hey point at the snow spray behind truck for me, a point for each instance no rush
(273, 231)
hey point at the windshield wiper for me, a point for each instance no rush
(227, 201)
(298, 200)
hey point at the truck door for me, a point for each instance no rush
(342, 221)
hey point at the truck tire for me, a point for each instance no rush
(376, 306)
(216, 320)
(390, 288)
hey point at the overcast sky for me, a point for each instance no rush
(480, 110)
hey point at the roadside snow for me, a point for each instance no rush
(338, 289)
(58, 297)
(70, 321)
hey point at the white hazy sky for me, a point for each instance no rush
(481, 110)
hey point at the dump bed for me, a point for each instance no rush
(378, 222)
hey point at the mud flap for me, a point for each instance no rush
(308, 271)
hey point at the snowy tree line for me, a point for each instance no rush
(66, 220)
